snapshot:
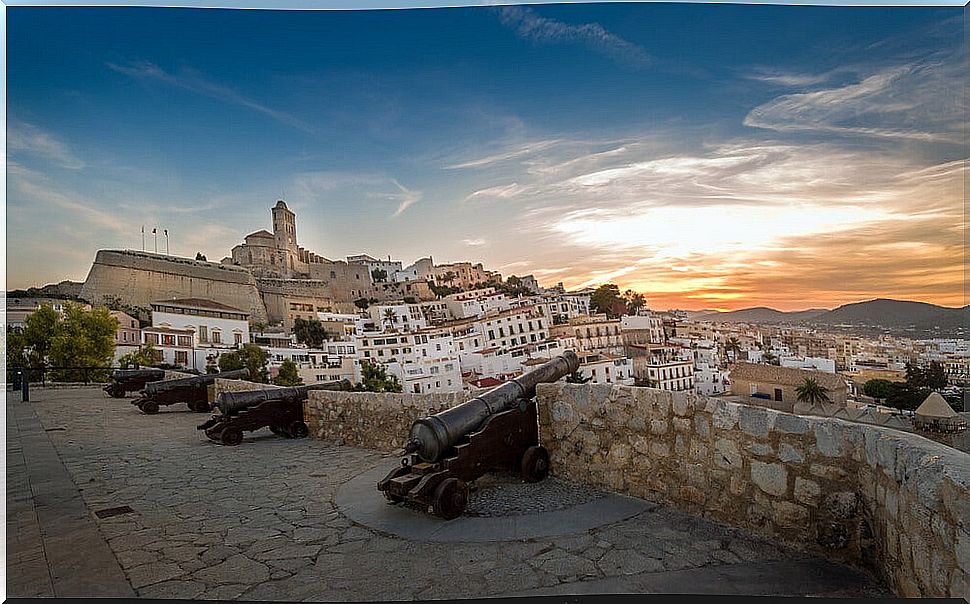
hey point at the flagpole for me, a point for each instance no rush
(155, 233)
(143, 238)
(166, 242)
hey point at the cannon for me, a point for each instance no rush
(496, 430)
(279, 409)
(194, 391)
(124, 381)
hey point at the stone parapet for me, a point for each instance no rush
(892, 501)
(372, 420)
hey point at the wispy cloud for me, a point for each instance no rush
(474, 242)
(27, 139)
(919, 101)
(529, 25)
(497, 192)
(315, 188)
(512, 152)
(790, 79)
(406, 198)
(191, 80)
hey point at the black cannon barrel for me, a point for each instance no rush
(128, 374)
(431, 436)
(196, 380)
(231, 402)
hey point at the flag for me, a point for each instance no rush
(166, 232)
(154, 231)
(142, 229)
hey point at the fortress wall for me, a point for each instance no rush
(277, 293)
(880, 498)
(140, 278)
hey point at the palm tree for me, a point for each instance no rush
(812, 392)
(390, 316)
(732, 346)
(634, 301)
(770, 358)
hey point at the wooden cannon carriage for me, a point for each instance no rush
(498, 430)
(193, 391)
(279, 409)
(124, 381)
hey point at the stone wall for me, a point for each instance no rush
(140, 278)
(371, 420)
(895, 502)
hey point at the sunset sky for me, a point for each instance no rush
(709, 156)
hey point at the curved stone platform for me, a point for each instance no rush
(359, 500)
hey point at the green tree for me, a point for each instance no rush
(200, 256)
(83, 338)
(559, 319)
(877, 389)
(606, 299)
(374, 378)
(576, 377)
(39, 331)
(310, 332)
(935, 376)
(903, 395)
(210, 364)
(250, 357)
(645, 383)
(390, 316)
(145, 356)
(362, 303)
(770, 358)
(288, 375)
(379, 275)
(812, 392)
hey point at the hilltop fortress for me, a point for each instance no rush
(270, 276)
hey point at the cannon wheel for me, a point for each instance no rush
(276, 429)
(117, 391)
(199, 407)
(149, 407)
(450, 498)
(231, 436)
(298, 429)
(535, 464)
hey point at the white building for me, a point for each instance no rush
(400, 317)
(816, 363)
(422, 361)
(606, 368)
(477, 303)
(390, 267)
(189, 330)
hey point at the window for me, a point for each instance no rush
(181, 357)
(168, 340)
(777, 394)
(203, 333)
(237, 337)
(185, 341)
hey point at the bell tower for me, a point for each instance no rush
(284, 227)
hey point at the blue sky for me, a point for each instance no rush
(708, 155)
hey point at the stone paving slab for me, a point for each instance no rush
(261, 521)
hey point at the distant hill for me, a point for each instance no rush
(68, 290)
(883, 312)
(762, 314)
(897, 315)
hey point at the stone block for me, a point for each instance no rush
(789, 454)
(787, 423)
(807, 491)
(886, 455)
(790, 515)
(640, 444)
(681, 424)
(726, 454)
(693, 495)
(698, 451)
(760, 449)
(682, 404)
(659, 426)
(702, 425)
(619, 453)
(829, 439)
(772, 478)
(755, 421)
(726, 417)
(637, 424)
(829, 472)
(659, 449)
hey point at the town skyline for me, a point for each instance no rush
(767, 197)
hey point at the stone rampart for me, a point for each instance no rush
(892, 501)
(140, 278)
(372, 420)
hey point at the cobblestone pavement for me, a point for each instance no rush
(257, 521)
